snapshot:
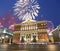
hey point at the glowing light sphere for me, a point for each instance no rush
(26, 9)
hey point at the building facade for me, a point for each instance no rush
(56, 34)
(5, 35)
(30, 31)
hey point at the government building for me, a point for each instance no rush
(30, 31)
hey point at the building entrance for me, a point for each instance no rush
(22, 39)
(34, 39)
(28, 38)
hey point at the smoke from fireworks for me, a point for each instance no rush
(26, 9)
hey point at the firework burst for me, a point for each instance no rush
(26, 9)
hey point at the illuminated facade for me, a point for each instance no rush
(30, 31)
(56, 34)
(5, 35)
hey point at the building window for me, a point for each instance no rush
(29, 27)
(36, 27)
(24, 27)
(21, 28)
(28, 36)
(42, 24)
(34, 34)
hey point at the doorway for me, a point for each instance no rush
(34, 39)
(28, 38)
(22, 39)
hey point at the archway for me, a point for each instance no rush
(34, 39)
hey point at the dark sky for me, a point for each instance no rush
(50, 9)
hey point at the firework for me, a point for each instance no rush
(26, 9)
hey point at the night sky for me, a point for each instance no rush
(50, 9)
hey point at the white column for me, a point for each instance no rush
(25, 27)
(10, 41)
(3, 41)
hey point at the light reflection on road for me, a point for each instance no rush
(52, 48)
(29, 47)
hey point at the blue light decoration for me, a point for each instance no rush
(26, 9)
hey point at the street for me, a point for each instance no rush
(21, 47)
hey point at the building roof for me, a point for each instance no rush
(28, 21)
(6, 31)
(58, 27)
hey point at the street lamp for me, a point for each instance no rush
(6, 36)
(50, 34)
(2, 37)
